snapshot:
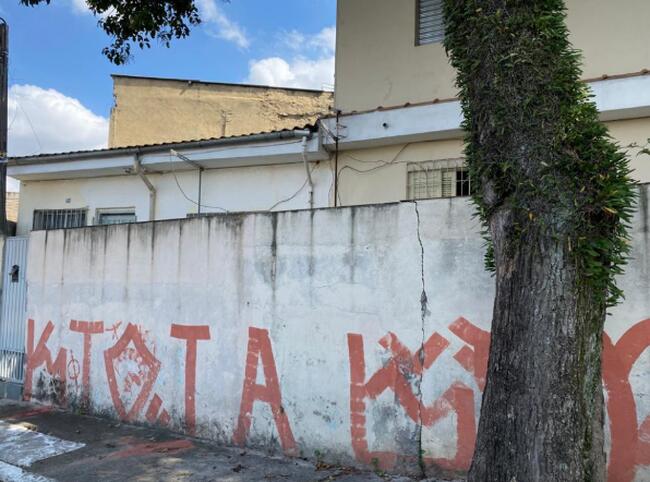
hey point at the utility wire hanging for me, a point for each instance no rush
(178, 184)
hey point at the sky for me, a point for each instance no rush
(60, 93)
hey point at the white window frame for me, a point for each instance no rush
(433, 173)
(126, 211)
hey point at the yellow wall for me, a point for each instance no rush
(379, 175)
(12, 203)
(378, 64)
(149, 111)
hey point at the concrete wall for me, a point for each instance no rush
(235, 189)
(378, 63)
(150, 111)
(299, 332)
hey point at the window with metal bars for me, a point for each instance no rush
(438, 179)
(430, 22)
(58, 218)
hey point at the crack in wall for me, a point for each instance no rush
(424, 311)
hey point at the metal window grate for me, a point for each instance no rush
(59, 218)
(438, 179)
(430, 22)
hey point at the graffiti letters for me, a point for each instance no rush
(630, 440)
(132, 372)
(192, 334)
(396, 375)
(130, 366)
(259, 350)
(41, 354)
(88, 328)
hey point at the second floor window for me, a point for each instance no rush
(438, 179)
(59, 218)
(430, 26)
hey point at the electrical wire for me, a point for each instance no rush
(38, 141)
(364, 171)
(290, 198)
(178, 184)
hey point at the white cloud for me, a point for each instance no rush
(46, 121)
(220, 26)
(315, 71)
(79, 6)
(299, 72)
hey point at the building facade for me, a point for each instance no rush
(395, 134)
(396, 94)
(151, 110)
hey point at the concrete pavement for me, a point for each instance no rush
(41, 444)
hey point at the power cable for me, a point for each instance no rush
(29, 121)
(313, 169)
(178, 184)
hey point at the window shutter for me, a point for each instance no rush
(430, 22)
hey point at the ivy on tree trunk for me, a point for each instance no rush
(555, 197)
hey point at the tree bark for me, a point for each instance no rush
(542, 414)
(554, 196)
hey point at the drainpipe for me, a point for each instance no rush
(311, 181)
(137, 166)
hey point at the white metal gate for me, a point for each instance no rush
(14, 310)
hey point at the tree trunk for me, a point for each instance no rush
(554, 196)
(542, 414)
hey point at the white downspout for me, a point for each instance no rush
(137, 166)
(309, 179)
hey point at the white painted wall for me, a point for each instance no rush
(235, 189)
(315, 282)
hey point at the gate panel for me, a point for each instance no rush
(14, 309)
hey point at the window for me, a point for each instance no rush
(115, 216)
(59, 218)
(438, 179)
(430, 27)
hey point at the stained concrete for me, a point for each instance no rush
(117, 452)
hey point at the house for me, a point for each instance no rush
(395, 134)
(151, 110)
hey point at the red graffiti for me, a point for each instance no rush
(192, 334)
(474, 359)
(88, 328)
(74, 369)
(113, 329)
(630, 441)
(259, 349)
(41, 354)
(154, 415)
(396, 375)
(136, 448)
(143, 375)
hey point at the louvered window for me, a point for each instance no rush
(438, 179)
(430, 22)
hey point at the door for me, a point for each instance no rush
(14, 309)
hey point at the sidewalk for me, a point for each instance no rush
(39, 444)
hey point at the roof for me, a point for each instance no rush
(164, 146)
(228, 84)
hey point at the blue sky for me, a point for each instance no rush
(60, 85)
